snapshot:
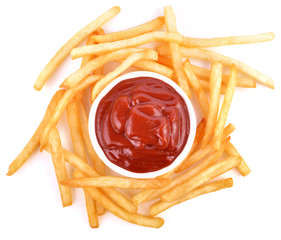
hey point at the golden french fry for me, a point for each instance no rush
(98, 164)
(131, 32)
(61, 105)
(129, 61)
(211, 159)
(206, 175)
(242, 167)
(119, 182)
(170, 21)
(34, 142)
(216, 57)
(135, 218)
(215, 87)
(193, 81)
(73, 42)
(218, 131)
(202, 152)
(161, 206)
(88, 171)
(225, 41)
(99, 62)
(126, 43)
(59, 165)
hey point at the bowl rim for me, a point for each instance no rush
(180, 157)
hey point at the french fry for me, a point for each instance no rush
(225, 41)
(201, 178)
(170, 21)
(98, 164)
(131, 32)
(61, 105)
(218, 131)
(204, 74)
(34, 142)
(59, 165)
(119, 182)
(97, 63)
(73, 120)
(135, 218)
(215, 87)
(202, 152)
(152, 66)
(207, 162)
(193, 81)
(73, 42)
(88, 171)
(129, 61)
(206, 86)
(126, 43)
(242, 167)
(216, 57)
(161, 206)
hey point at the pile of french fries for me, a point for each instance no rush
(194, 176)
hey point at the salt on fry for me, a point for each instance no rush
(201, 178)
(126, 43)
(131, 32)
(73, 42)
(161, 206)
(225, 41)
(215, 87)
(59, 165)
(218, 131)
(34, 142)
(216, 57)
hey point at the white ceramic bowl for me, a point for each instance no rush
(98, 149)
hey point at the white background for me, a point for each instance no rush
(30, 207)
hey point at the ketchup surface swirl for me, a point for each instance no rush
(142, 124)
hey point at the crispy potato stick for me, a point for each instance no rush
(193, 81)
(206, 86)
(206, 175)
(72, 111)
(242, 167)
(98, 164)
(170, 21)
(119, 182)
(117, 71)
(131, 32)
(33, 143)
(161, 206)
(59, 165)
(98, 62)
(216, 57)
(152, 66)
(211, 159)
(135, 218)
(224, 41)
(73, 120)
(204, 74)
(215, 87)
(86, 169)
(73, 42)
(202, 152)
(218, 132)
(126, 43)
(61, 105)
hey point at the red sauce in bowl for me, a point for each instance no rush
(142, 124)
